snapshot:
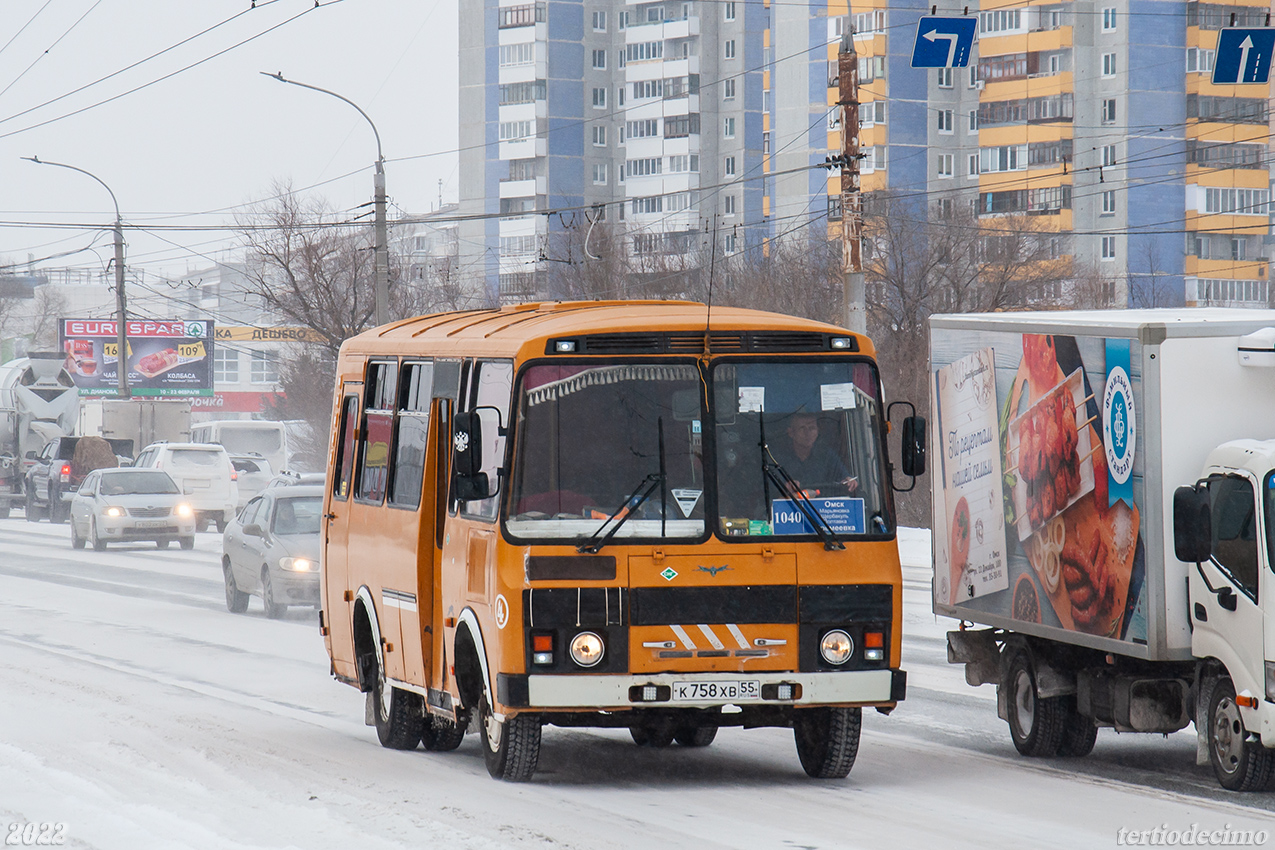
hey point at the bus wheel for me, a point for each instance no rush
(399, 715)
(696, 736)
(1239, 764)
(441, 735)
(511, 748)
(650, 735)
(827, 740)
(1036, 725)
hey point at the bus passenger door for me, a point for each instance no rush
(337, 609)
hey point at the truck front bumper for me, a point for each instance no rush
(859, 687)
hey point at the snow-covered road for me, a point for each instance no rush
(138, 712)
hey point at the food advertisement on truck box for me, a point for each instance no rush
(163, 357)
(1037, 511)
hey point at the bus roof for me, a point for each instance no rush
(650, 327)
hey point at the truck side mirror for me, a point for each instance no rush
(913, 460)
(1192, 524)
(469, 482)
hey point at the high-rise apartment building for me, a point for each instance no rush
(706, 120)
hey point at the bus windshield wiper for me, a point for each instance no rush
(592, 545)
(773, 471)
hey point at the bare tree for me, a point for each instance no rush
(1147, 276)
(50, 306)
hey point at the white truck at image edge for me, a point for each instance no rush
(38, 403)
(1141, 599)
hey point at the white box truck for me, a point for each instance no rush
(1104, 524)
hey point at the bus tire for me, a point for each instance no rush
(399, 715)
(1238, 763)
(1036, 725)
(695, 736)
(827, 740)
(440, 735)
(1079, 733)
(511, 748)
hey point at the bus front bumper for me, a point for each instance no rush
(681, 690)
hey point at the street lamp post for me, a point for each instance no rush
(121, 339)
(379, 235)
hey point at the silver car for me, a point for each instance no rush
(271, 550)
(128, 505)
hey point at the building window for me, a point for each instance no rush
(1108, 155)
(1002, 20)
(728, 89)
(973, 75)
(729, 50)
(600, 60)
(520, 16)
(619, 96)
(1108, 64)
(1239, 248)
(599, 21)
(1200, 60)
(765, 142)
(945, 121)
(620, 63)
(728, 166)
(973, 120)
(511, 131)
(1108, 20)
(945, 78)
(600, 174)
(517, 54)
(600, 136)
(945, 165)
(1108, 248)
(1109, 202)
(599, 98)
(1236, 201)
(225, 365)
(729, 204)
(973, 165)
(1109, 111)
(265, 367)
(729, 11)
(728, 128)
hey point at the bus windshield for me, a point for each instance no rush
(594, 438)
(798, 449)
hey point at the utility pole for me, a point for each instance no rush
(121, 338)
(853, 295)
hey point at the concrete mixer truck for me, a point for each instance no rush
(39, 402)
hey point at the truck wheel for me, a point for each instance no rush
(442, 736)
(696, 736)
(99, 545)
(1079, 734)
(33, 513)
(827, 740)
(4, 512)
(511, 748)
(1239, 764)
(1036, 725)
(657, 737)
(399, 715)
(57, 513)
(236, 599)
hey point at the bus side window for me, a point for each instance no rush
(407, 470)
(345, 448)
(378, 431)
(463, 402)
(494, 387)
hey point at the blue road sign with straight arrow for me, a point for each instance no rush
(943, 42)
(1243, 56)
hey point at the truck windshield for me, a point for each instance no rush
(795, 439)
(590, 439)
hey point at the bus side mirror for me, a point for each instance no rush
(1192, 524)
(469, 482)
(913, 460)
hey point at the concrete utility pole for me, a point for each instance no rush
(382, 254)
(856, 317)
(121, 337)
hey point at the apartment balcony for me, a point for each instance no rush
(661, 30)
(639, 110)
(523, 111)
(523, 188)
(524, 148)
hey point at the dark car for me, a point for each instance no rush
(271, 550)
(55, 474)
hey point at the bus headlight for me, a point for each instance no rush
(836, 647)
(587, 649)
(297, 565)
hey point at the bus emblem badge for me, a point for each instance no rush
(711, 570)
(668, 573)
(461, 441)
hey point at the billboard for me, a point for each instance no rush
(1039, 493)
(164, 357)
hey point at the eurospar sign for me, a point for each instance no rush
(163, 358)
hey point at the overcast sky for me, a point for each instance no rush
(186, 150)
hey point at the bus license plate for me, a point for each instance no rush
(747, 689)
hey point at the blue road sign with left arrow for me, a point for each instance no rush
(1243, 55)
(943, 42)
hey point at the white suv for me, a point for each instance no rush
(204, 474)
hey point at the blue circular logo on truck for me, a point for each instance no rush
(1118, 425)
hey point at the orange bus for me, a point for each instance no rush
(614, 514)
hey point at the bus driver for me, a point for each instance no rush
(809, 462)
